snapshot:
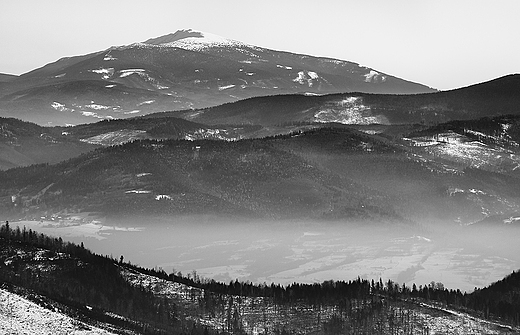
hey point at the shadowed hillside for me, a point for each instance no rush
(24, 143)
(327, 173)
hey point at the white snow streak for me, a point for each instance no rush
(221, 88)
(128, 72)
(96, 107)
(109, 57)
(61, 107)
(92, 114)
(138, 192)
(284, 67)
(163, 197)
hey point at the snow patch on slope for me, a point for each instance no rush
(106, 73)
(312, 75)
(163, 197)
(306, 78)
(116, 137)
(349, 111)
(95, 115)
(61, 107)
(21, 316)
(374, 76)
(461, 149)
(142, 73)
(109, 57)
(97, 106)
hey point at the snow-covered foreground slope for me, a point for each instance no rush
(21, 316)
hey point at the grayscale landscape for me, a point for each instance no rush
(189, 183)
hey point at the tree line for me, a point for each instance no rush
(80, 277)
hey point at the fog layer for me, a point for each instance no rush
(285, 252)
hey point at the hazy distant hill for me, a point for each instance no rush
(326, 174)
(178, 71)
(24, 143)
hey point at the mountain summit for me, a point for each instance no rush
(189, 39)
(173, 37)
(187, 36)
(182, 70)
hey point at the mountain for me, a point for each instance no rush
(330, 173)
(4, 78)
(488, 99)
(183, 70)
(457, 111)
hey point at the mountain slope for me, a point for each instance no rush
(493, 98)
(323, 174)
(183, 70)
(24, 143)
(26, 317)
(247, 178)
(4, 78)
(99, 295)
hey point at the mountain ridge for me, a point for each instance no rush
(184, 73)
(493, 98)
(322, 174)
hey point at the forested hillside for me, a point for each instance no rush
(24, 143)
(489, 99)
(326, 174)
(100, 290)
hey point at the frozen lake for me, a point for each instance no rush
(285, 252)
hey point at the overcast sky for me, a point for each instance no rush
(444, 44)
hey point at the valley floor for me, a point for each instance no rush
(459, 257)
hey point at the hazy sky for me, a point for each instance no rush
(441, 43)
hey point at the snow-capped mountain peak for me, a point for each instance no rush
(192, 40)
